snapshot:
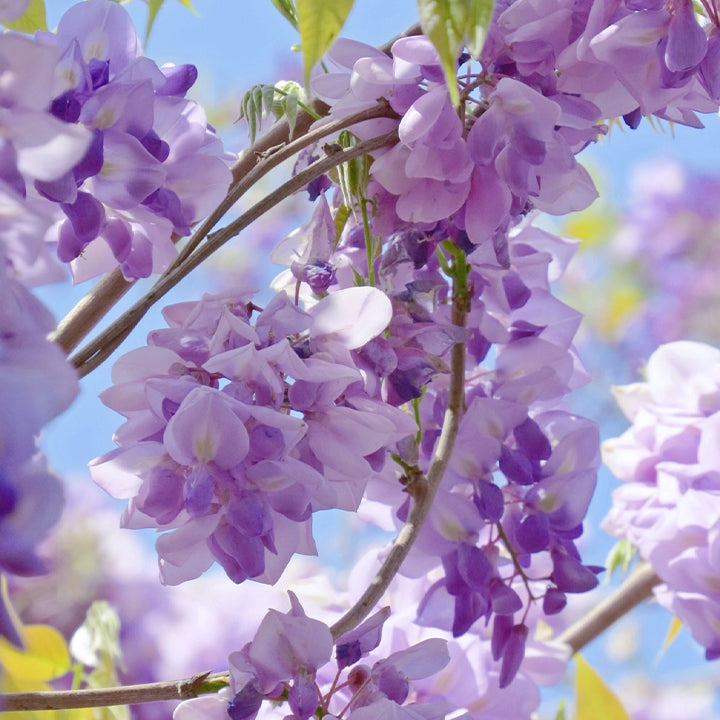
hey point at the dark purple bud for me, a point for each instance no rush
(711, 654)
(166, 203)
(489, 501)
(62, 189)
(99, 72)
(504, 600)
(473, 566)
(513, 654)
(571, 576)
(178, 79)
(66, 107)
(319, 275)
(317, 187)
(8, 497)
(245, 704)
(408, 384)
(554, 601)
(515, 466)
(357, 643)
(462, 240)
(524, 329)
(633, 118)
(533, 533)
(92, 163)
(502, 625)
(157, 147)
(86, 215)
(380, 356)
(303, 697)
(469, 607)
(454, 582)
(417, 246)
(530, 438)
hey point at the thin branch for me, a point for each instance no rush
(90, 356)
(422, 488)
(90, 310)
(106, 697)
(632, 592)
(271, 149)
(269, 159)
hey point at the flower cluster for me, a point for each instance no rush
(153, 167)
(237, 432)
(97, 133)
(670, 503)
(36, 384)
(243, 422)
(388, 666)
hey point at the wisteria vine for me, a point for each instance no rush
(411, 364)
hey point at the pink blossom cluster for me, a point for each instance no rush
(669, 504)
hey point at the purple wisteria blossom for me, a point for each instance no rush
(153, 167)
(237, 432)
(668, 505)
(36, 385)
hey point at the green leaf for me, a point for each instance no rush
(447, 23)
(477, 23)
(594, 699)
(44, 657)
(97, 643)
(33, 19)
(620, 556)
(560, 714)
(319, 22)
(287, 10)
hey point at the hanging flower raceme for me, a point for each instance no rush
(237, 432)
(36, 385)
(153, 167)
(668, 506)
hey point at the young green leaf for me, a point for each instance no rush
(32, 19)
(447, 23)
(319, 22)
(593, 698)
(287, 10)
(620, 556)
